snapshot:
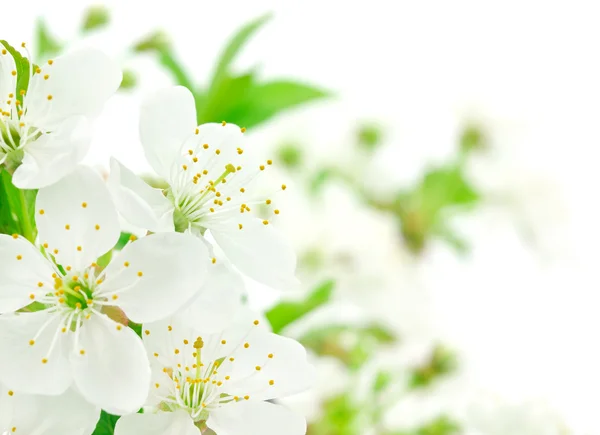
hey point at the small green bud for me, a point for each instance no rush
(472, 139)
(156, 41)
(369, 136)
(95, 17)
(290, 155)
(129, 80)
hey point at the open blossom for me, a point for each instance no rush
(45, 111)
(66, 414)
(222, 381)
(210, 188)
(54, 328)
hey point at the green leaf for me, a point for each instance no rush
(369, 136)
(285, 313)
(225, 100)
(441, 362)
(22, 67)
(233, 48)
(262, 102)
(382, 380)
(351, 344)
(46, 44)
(95, 17)
(339, 415)
(106, 424)
(128, 81)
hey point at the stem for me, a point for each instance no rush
(26, 219)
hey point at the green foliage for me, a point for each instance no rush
(95, 17)
(441, 362)
(129, 80)
(238, 98)
(106, 424)
(46, 44)
(340, 415)
(383, 379)
(285, 313)
(351, 344)
(424, 209)
(440, 426)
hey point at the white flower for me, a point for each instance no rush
(44, 124)
(66, 414)
(70, 339)
(223, 381)
(210, 183)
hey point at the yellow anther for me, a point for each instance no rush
(49, 97)
(140, 273)
(205, 146)
(115, 297)
(269, 162)
(262, 167)
(50, 62)
(42, 211)
(11, 393)
(243, 129)
(31, 342)
(19, 257)
(82, 352)
(271, 382)
(240, 226)
(258, 368)
(147, 332)
(214, 260)
(119, 327)
(270, 356)
(217, 152)
(67, 227)
(197, 131)
(276, 211)
(32, 296)
(265, 222)
(44, 360)
(246, 345)
(223, 123)
(283, 187)
(199, 343)
(79, 248)
(176, 351)
(84, 204)
(97, 227)
(268, 201)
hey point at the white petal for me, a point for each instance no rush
(79, 82)
(67, 414)
(217, 302)
(8, 82)
(113, 370)
(78, 219)
(259, 251)
(21, 366)
(156, 275)
(288, 356)
(166, 423)
(138, 203)
(250, 417)
(23, 268)
(167, 118)
(54, 155)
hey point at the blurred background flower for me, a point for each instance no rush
(440, 173)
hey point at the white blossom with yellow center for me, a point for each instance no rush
(222, 381)
(25, 414)
(45, 120)
(54, 301)
(210, 182)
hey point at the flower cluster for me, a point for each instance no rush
(152, 329)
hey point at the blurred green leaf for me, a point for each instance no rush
(441, 362)
(383, 379)
(234, 47)
(9, 199)
(95, 17)
(46, 44)
(285, 313)
(168, 60)
(352, 345)
(442, 425)
(320, 178)
(106, 424)
(423, 211)
(340, 415)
